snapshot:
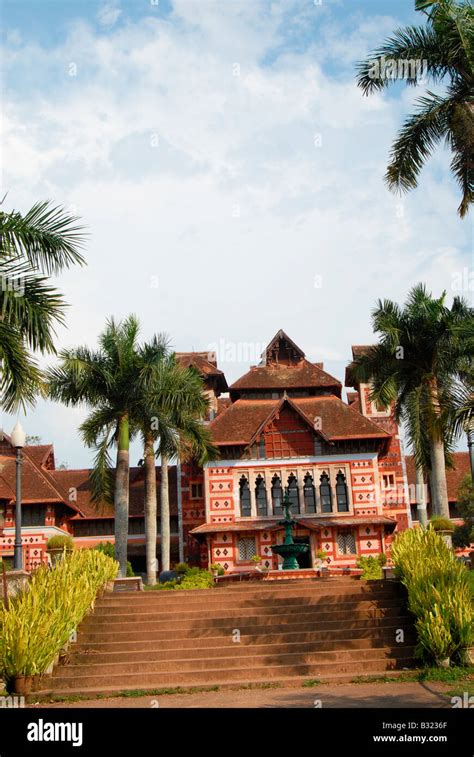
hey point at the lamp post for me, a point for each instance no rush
(18, 439)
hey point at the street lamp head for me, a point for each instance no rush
(18, 436)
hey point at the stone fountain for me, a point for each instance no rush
(288, 550)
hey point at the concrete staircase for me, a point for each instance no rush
(330, 630)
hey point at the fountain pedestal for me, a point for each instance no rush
(288, 550)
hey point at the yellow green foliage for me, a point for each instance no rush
(40, 621)
(439, 592)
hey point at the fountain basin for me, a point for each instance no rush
(289, 552)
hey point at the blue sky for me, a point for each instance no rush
(228, 170)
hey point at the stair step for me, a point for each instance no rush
(249, 682)
(117, 615)
(99, 657)
(313, 615)
(195, 677)
(228, 626)
(336, 636)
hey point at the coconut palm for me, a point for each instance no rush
(43, 241)
(423, 348)
(441, 51)
(111, 381)
(172, 420)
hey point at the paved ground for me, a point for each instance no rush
(382, 695)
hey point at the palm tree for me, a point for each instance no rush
(111, 381)
(43, 241)
(171, 418)
(443, 51)
(423, 348)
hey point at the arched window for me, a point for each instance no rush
(277, 495)
(325, 493)
(341, 493)
(293, 494)
(309, 494)
(261, 496)
(245, 508)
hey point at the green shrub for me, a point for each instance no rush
(181, 568)
(195, 578)
(39, 622)
(192, 578)
(435, 579)
(107, 548)
(60, 542)
(434, 634)
(441, 524)
(371, 566)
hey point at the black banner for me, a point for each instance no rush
(122, 731)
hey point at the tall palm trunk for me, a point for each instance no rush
(439, 489)
(165, 515)
(150, 511)
(121, 494)
(420, 497)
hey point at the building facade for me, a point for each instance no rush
(287, 429)
(282, 427)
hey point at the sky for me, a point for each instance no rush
(229, 173)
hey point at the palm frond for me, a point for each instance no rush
(416, 140)
(47, 236)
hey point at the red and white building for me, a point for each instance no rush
(283, 426)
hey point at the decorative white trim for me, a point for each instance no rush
(289, 462)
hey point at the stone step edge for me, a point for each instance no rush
(74, 670)
(284, 682)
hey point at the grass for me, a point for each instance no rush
(128, 693)
(135, 693)
(311, 682)
(467, 688)
(448, 675)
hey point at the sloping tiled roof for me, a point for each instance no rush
(205, 367)
(39, 452)
(314, 524)
(302, 375)
(454, 477)
(78, 480)
(241, 421)
(222, 404)
(37, 484)
(354, 520)
(338, 420)
(254, 525)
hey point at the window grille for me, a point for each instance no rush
(247, 548)
(346, 543)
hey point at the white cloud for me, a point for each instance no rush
(212, 185)
(108, 14)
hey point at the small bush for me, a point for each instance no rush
(60, 542)
(371, 566)
(181, 568)
(195, 578)
(438, 523)
(107, 548)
